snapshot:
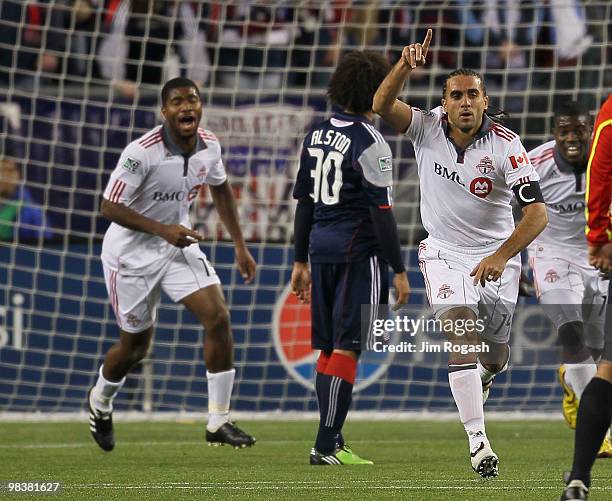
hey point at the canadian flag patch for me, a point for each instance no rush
(519, 161)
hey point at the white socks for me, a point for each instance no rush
(485, 374)
(466, 388)
(577, 376)
(220, 386)
(104, 392)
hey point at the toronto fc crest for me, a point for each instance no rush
(485, 165)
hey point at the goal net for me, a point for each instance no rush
(80, 79)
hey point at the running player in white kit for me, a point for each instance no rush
(572, 292)
(150, 247)
(468, 166)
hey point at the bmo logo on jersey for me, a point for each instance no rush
(176, 196)
(481, 186)
(442, 171)
(569, 207)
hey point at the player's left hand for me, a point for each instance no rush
(489, 269)
(601, 257)
(526, 288)
(246, 263)
(402, 289)
(300, 282)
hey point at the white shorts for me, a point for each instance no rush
(448, 284)
(570, 289)
(135, 299)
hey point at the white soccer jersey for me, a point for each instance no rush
(564, 193)
(466, 195)
(153, 178)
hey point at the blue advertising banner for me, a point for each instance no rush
(56, 324)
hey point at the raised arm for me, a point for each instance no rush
(386, 103)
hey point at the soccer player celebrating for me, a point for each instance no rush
(595, 410)
(344, 220)
(468, 167)
(571, 290)
(150, 247)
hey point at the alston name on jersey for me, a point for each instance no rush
(332, 138)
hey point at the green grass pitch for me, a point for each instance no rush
(414, 460)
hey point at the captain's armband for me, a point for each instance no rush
(528, 193)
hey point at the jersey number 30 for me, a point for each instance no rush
(320, 174)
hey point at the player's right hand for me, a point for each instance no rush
(179, 235)
(414, 54)
(601, 257)
(402, 289)
(300, 282)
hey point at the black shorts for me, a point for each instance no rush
(607, 352)
(338, 292)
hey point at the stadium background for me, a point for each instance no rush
(67, 109)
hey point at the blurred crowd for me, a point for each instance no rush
(531, 52)
(255, 45)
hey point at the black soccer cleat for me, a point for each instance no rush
(101, 426)
(575, 491)
(230, 434)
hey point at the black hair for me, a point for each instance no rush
(571, 109)
(465, 72)
(11, 148)
(495, 114)
(177, 83)
(355, 80)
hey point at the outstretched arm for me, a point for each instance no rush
(386, 103)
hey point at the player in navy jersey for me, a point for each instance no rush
(345, 223)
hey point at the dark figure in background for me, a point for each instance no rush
(20, 217)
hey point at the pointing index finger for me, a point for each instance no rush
(427, 41)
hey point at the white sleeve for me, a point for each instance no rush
(216, 175)
(128, 176)
(422, 121)
(517, 166)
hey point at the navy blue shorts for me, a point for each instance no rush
(338, 291)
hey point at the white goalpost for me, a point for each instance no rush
(77, 84)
